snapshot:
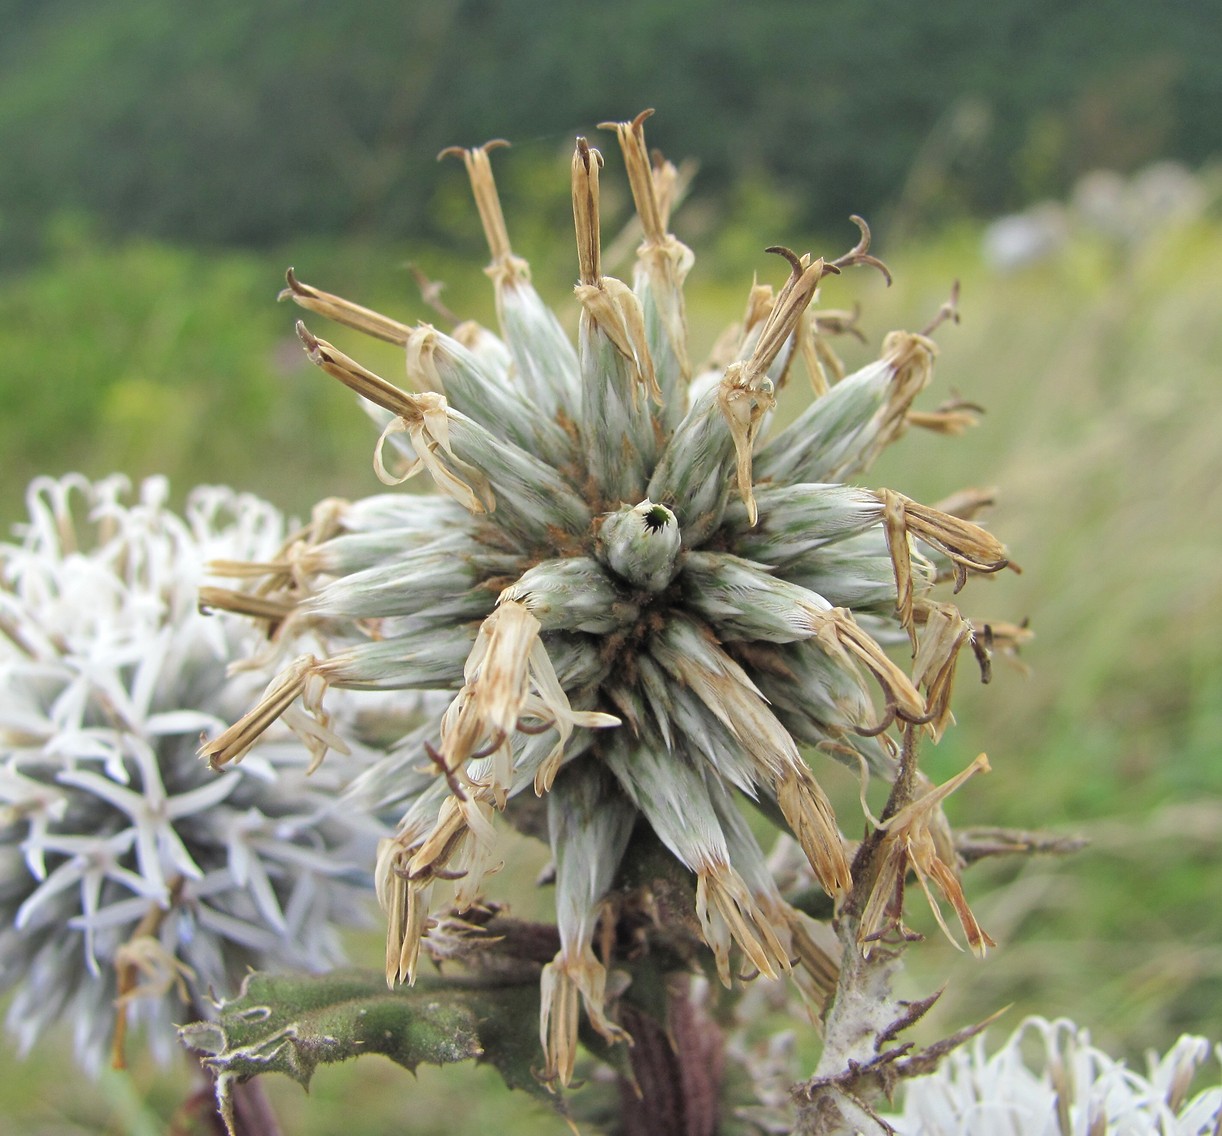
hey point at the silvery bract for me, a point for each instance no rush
(1048, 1080)
(135, 879)
(637, 600)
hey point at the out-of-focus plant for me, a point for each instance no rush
(136, 882)
(1048, 1078)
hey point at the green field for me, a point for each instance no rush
(1099, 371)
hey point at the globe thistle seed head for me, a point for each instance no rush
(134, 875)
(634, 591)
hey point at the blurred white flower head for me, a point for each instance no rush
(1048, 1080)
(135, 878)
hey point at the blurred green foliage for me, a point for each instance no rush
(147, 358)
(247, 124)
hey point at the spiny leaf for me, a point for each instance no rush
(292, 1023)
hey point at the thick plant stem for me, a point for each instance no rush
(864, 1015)
(677, 1069)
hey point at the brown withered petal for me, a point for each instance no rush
(909, 844)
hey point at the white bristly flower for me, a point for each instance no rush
(1048, 1080)
(630, 595)
(135, 879)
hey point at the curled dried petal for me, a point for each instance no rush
(728, 913)
(343, 311)
(746, 393)
(910, 842)
(969, 547)
(234, 743)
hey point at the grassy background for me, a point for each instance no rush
(1099, 371)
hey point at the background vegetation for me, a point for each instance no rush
(251, 124)
(164, 163)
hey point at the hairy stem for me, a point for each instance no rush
(252, 1112)
(199, 1114)
(864, 1015)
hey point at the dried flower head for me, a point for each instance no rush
(135, 878)
(638, 599)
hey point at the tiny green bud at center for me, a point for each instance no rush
(639, 544)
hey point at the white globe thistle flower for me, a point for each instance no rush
(134, 877)
(636, 599)
(1048, 1080)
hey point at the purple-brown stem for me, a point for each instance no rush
(678, 1069)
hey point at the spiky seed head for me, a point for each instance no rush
(638, 598)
